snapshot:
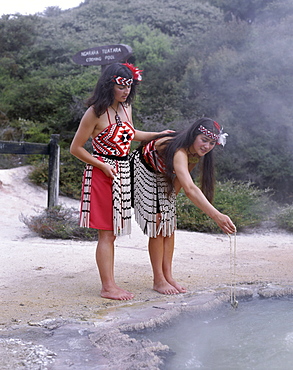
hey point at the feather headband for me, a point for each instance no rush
(136, 76)
(219, 138)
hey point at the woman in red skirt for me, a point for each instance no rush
(106, 203)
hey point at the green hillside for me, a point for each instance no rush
(227, 59)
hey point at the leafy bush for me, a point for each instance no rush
(245, 204)
(284, 219)
(59, 223)
(24, 130)
(39, 173)
(71, 170)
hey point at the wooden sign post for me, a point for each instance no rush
(103, 55)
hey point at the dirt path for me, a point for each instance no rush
(45, 279)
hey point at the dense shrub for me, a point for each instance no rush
(59, 223)
(245, 204)
(71, 170)
(39, 173)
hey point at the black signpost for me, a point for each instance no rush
(103, 55)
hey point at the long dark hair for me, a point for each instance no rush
(184, 139)
(103, 94)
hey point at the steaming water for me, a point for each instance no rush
(256, 335)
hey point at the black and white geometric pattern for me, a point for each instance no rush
(150, 189)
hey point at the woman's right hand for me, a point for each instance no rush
(109, 171)
(225, 223)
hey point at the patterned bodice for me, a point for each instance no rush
(153, 158)
(114, 140)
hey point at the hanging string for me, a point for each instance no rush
(233, 301)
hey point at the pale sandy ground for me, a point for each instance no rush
(48, 279)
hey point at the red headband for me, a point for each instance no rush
(208, 133)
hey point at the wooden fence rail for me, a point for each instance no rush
(52, 149)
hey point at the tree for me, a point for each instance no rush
(246, 10)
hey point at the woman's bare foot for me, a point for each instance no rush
(165, 288)
(177, 286)
(116, 293)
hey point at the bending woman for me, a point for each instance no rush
(162, 167)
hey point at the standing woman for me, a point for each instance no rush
(161, 167)
(105, 203)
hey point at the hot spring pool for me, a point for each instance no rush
(256, 335)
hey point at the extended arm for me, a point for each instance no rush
(146, 136)
(185, 181)
(143, 135)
